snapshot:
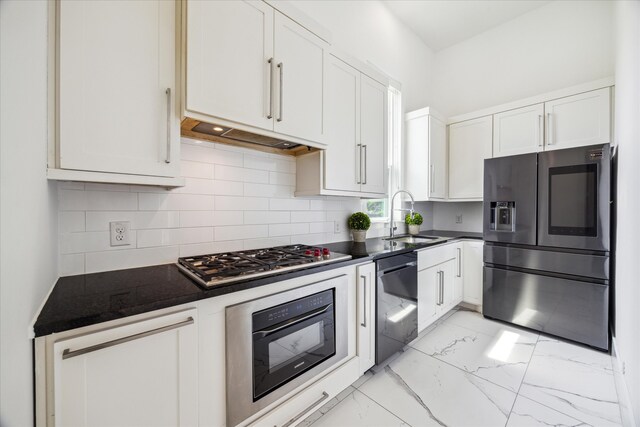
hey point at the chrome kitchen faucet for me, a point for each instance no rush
(392, 227)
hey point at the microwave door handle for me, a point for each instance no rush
(268, 331)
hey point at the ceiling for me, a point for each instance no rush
(443, 23)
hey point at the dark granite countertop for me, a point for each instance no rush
(88, 299)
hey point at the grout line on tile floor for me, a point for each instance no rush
(383, 407)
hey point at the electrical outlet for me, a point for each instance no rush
(459, 219)
(337, 227)
(120, 235)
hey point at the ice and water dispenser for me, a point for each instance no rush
(503, 216)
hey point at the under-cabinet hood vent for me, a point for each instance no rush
(223, 134)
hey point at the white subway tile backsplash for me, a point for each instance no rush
(197, 169)
(241, 232)
(71, 221)
(234, 199)
(116, 260)
(308, 216)
(288, 204)
(71, 264)
(266, 217)
(267, 190)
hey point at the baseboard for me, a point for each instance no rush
(626, 413)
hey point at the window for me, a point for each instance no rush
(378, 209)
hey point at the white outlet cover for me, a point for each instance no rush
(120, 233)
(337, 227)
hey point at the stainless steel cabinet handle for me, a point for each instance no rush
(433, 177)
(459, 262)
(364, 181)
(549, 130)
(281, 68)
(441, 287)
(540, 131)
(270, 62)
(168, 158)
(359, 174)
(364, 306)
(307, 409)
(67, 353)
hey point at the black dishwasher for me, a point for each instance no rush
(396, 304)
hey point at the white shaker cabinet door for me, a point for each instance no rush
(583, 119)
(473, 270)
(518, 131)
(428, 296)
(373, 135)
(298, 80)
(469, 144)
(342, 113)
(140, 374)
(366, 312)
(230, 62)
(117, 87)
(437, 159)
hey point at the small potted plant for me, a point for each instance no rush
(413, 220)
(359, 223)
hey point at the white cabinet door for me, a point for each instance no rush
(437, 159)
(373, 135)
(342, 113)
(472, 270)
(469, 144)
(299, 74)
(366, 315)
(448, 289)
(426, 162)
(117, 91)
(458, 274)
(229, 46)
(579, 120)
(428, 296)
(518, 131)
(140, 374)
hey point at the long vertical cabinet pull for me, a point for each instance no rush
(459, 262)
(364, 181)
(441, 287)
(364, 306)
(540, 131)
(270, 62)
(359, 174)
(432, 175)
(549, 130)
(281, 68)
(168, 158)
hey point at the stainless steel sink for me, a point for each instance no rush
(415, 239)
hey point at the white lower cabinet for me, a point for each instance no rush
(472, 271)
(366, 315)
(440, 281)
(138, 374)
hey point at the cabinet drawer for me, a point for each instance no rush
(436, 255)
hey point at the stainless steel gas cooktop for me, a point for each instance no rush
(228, 267)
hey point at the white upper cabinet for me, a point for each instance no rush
(426, 159)
(117, 91)
(583, 119)
(373, 135)
(469, 144)
(299, 58)
(342, 113)
(230, 62)
(250, 67)
(518, 131)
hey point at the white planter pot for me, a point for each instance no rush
(359, 235)
(414, 229)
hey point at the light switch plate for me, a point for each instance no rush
(120, 233)
(459, 219)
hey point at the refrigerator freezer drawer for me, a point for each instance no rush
(575, 264)
(570, 309)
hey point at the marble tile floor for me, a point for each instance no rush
(466, 370)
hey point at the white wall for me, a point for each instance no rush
(234, 199)
(627, 136)
(444, 216)
(561, 44)
(28, 223)
(370, 32)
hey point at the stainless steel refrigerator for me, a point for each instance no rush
(547, 248)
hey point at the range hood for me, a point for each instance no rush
(217, 133)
